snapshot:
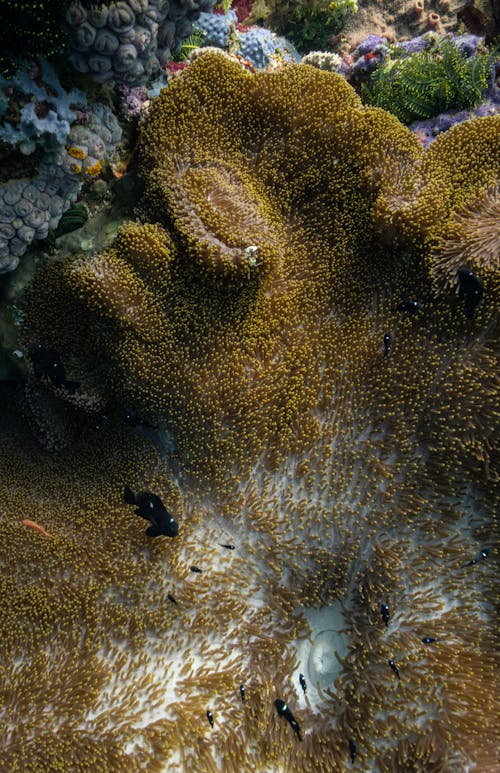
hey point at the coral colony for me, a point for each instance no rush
(249, 437)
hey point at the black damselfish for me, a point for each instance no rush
(481, 556)
(394, 667)
(284, 711)
(151, 508)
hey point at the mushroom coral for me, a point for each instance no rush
(282, 225)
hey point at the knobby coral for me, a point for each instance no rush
(283, 225)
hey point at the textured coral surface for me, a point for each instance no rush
(283, 223)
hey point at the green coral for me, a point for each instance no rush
(309, 24)
(193, 42)
(426, 84)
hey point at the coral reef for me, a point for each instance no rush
(379, 71)
(481, 17)
(217, 28)
(398, 20)
(309, 25)
(127, 41)
(41, 109)
(323, 60)
(68, 142)
(425, 84)
(258, 46)
(285, 230)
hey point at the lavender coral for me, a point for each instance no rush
(283, 225)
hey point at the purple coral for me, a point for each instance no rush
(132, 99)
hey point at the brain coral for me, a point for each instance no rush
(283, 223)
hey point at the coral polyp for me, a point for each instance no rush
(285, 230)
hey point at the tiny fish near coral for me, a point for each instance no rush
(151, 508)
(35, 526)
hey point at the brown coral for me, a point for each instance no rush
(344, 477)
(470, 239)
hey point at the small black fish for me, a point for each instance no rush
(387, 343)
(352, 750)
(228, 547)
(242, 693)
(394, 667)
(411, 307)
(47, 362)
(284, 711)
(196, 569)
(151, 508)
(302, 681)
(384, 611)
(481, 556)
(429, 640)
(470, 289)
(210, 717)
(171, 598)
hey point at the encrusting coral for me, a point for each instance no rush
(283, 225)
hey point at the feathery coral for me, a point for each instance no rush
(429, 82)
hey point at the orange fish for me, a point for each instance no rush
(35, 527)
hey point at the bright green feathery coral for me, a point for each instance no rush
(282, 224)
(426, 84)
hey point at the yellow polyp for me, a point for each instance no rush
(75, 152)
(75, 168)
(94, 170)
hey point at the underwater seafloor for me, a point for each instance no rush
(249, 391)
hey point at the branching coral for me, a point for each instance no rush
(284, 223)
